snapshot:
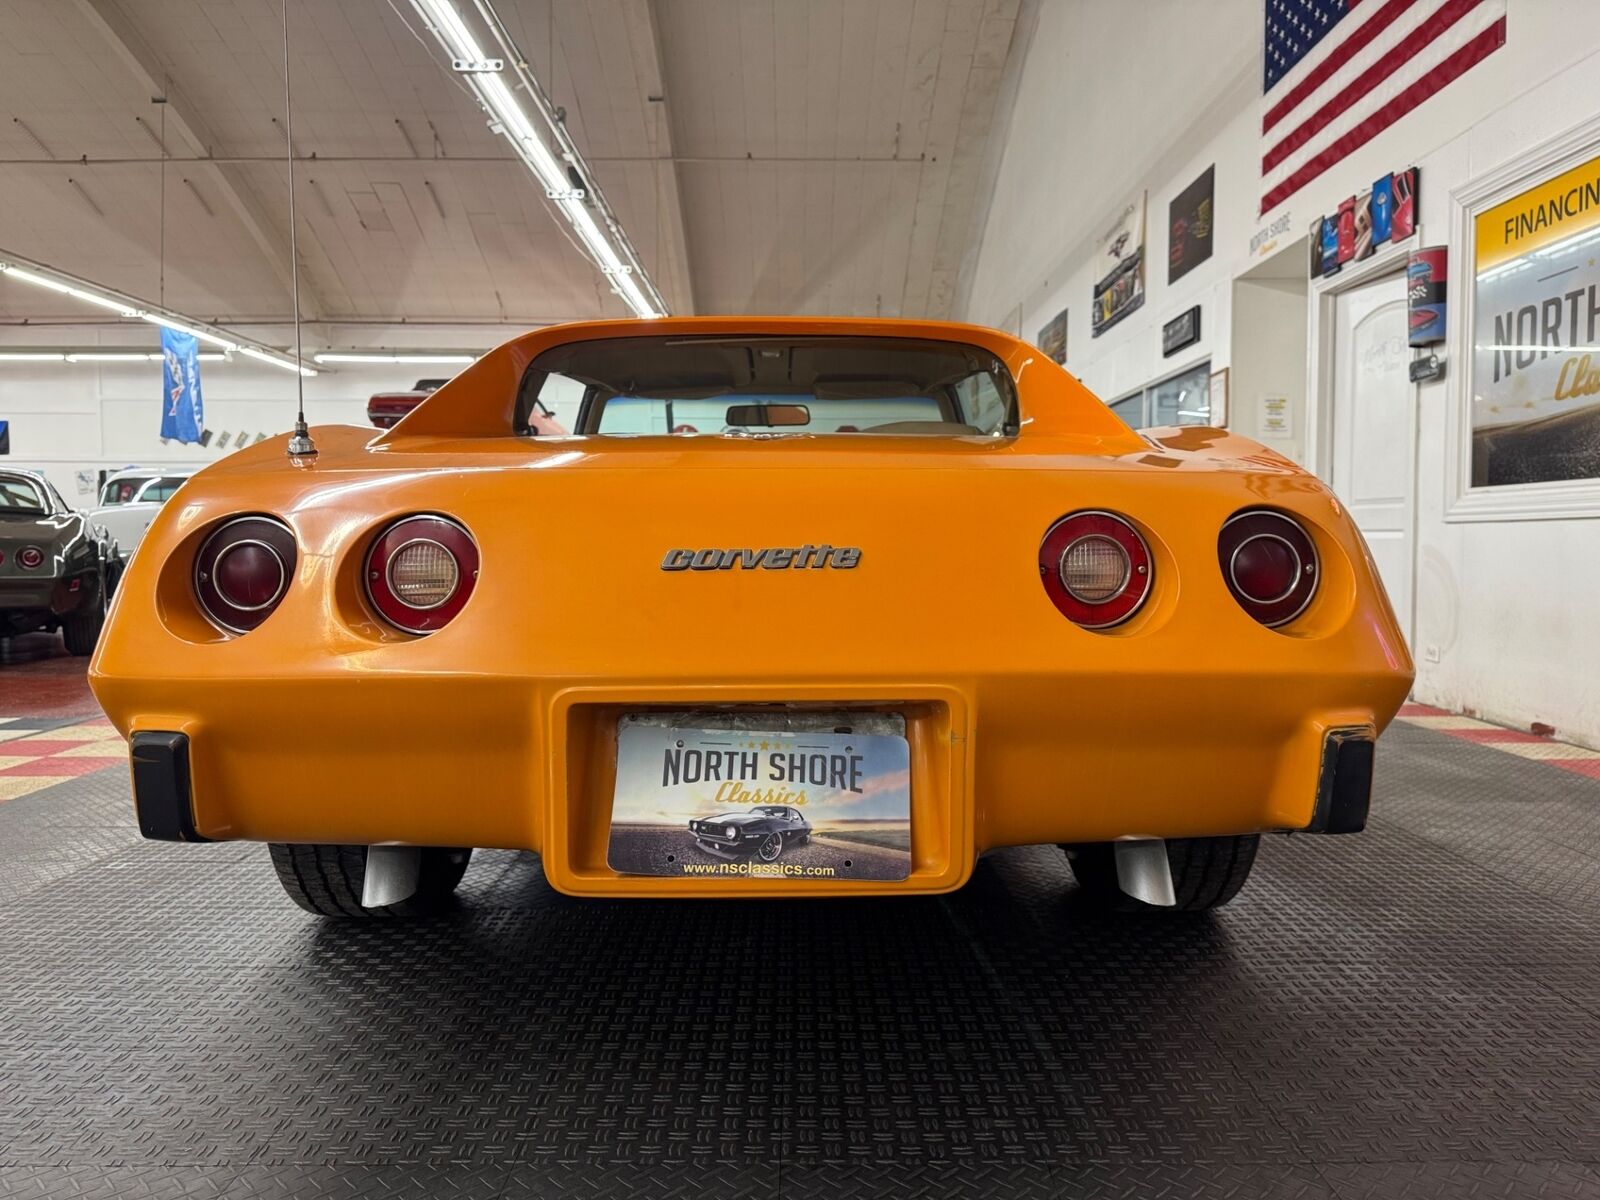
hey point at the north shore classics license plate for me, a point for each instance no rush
(802, 796)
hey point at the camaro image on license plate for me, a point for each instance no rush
(826, 797)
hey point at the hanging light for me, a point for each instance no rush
(610, 248)
(38, 275)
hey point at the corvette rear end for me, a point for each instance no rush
(934, 610)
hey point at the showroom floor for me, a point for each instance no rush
(1412, 1012)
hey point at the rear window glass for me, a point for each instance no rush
(774, 385)
(160, 490)
(121, 491)
(21, 495)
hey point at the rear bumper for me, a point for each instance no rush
(41, 601)
(528, 764)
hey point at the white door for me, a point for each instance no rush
(1374, 428)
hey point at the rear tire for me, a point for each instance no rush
(81, 631)
(1206, 872)
(327, 880)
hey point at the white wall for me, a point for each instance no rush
(68, 418)
(1268, 358)
(1094, 123)
(1146, 94)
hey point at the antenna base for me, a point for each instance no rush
(302, 450)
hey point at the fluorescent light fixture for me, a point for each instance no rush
(39, 275)
(114, 303)
(95, 356)
(352, 357)
(274, 359)
(205, 335)
(543, 155)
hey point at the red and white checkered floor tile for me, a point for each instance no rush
(35, 753)
(1525, 745)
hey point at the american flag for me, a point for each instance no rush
(1338, 72)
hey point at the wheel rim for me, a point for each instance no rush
(772, 847)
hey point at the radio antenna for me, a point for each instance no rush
(302, 450)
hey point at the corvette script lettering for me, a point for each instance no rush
(807, 557)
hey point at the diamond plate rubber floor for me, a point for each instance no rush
(1412, 1012)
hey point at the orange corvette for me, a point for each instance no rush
(802, 607)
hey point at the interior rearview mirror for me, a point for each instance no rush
(768, 414)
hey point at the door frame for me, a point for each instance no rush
(1320, 332)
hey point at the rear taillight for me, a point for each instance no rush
(30, 558)
(1096, 568)
(1269, 563)
(243, 571)
(420, 572)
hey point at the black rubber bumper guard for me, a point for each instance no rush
(165, 803)
(1344, 782)
(161, 793)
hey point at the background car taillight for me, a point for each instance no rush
(30, 558)
(243, 571)
(1096, 568)
(1269, 563)
(420, 572)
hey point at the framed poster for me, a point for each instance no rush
(1181, 332)
(1189, 226)
(1119, 274)
(1053, 337)
(1219, 398)
(1535, 383)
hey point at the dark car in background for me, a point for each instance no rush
(57, 568)
(763, 831)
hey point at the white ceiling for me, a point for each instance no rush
(764, 155)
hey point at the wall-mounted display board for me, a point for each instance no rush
(1119, 279)
(1427, 275)
(1219, 398)
(1189, 226)
(1181, 332)
(1387, 212)
(1053, 337)
(1535, 381)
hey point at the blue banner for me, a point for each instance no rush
(182, 411)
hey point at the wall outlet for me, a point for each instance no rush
(1430, 654)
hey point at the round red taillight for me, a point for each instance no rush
(1269, 563)
(420, 572)
(1096, 568)
(30, 557)
(249, 575)
(242, 571)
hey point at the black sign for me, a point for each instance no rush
(1183, 330)
(1428, 367)
(1189, 227)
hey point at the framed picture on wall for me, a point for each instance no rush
(1053, 337)
(1013, 322)
(1522, 402)
(1189, 226)
(1535, 389)
(1119, 269)
(1219, 398)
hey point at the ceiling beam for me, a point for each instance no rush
(136, 54)
(673, 272)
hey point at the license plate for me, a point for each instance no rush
(731, 796)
